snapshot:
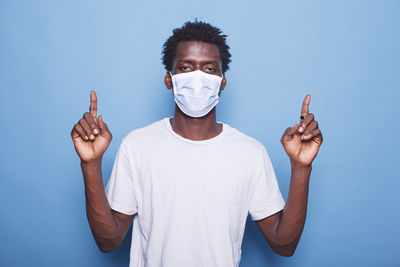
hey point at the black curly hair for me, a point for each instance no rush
(196, 31)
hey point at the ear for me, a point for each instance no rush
(168, 80)
(223, 83)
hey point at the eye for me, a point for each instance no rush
(184, 68)
(211, 69)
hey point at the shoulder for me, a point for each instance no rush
(146, 134)
(243, 141)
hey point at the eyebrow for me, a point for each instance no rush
(190, 61)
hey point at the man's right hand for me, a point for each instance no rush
(90, 135)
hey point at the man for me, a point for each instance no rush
(188, 182)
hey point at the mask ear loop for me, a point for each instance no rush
(219, 88)
(170, 75)
(172, 82)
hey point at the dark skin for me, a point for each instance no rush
(301, 142)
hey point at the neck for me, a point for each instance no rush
(196, 129)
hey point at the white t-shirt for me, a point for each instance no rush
(191, 198)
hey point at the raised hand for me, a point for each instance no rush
(302, 141)
(90, 135)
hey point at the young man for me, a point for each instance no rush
(189, 182)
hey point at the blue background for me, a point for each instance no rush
(345, 53)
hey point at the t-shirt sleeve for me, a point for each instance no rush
(120, 187)
(265, 197)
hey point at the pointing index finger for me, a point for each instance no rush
(93, 104)
(306, 103)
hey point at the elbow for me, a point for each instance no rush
(105, 249)
(286, 252)
(107, 246)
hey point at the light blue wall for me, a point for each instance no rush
(345, 53)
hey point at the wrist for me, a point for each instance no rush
(91, 163)
(299, 165)
(91, 171)
(300, 169)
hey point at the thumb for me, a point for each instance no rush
(104, 131)
(289, 133)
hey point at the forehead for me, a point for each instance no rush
(197, 50)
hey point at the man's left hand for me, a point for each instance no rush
(302, 141)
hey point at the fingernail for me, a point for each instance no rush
(91, 137)
(96, 131)
(301, 129)
(87, 138)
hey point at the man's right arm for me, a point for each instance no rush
(109, 227)
(91, 138)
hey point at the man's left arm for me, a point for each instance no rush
(301, 142)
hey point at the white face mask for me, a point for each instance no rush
(196, 92)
